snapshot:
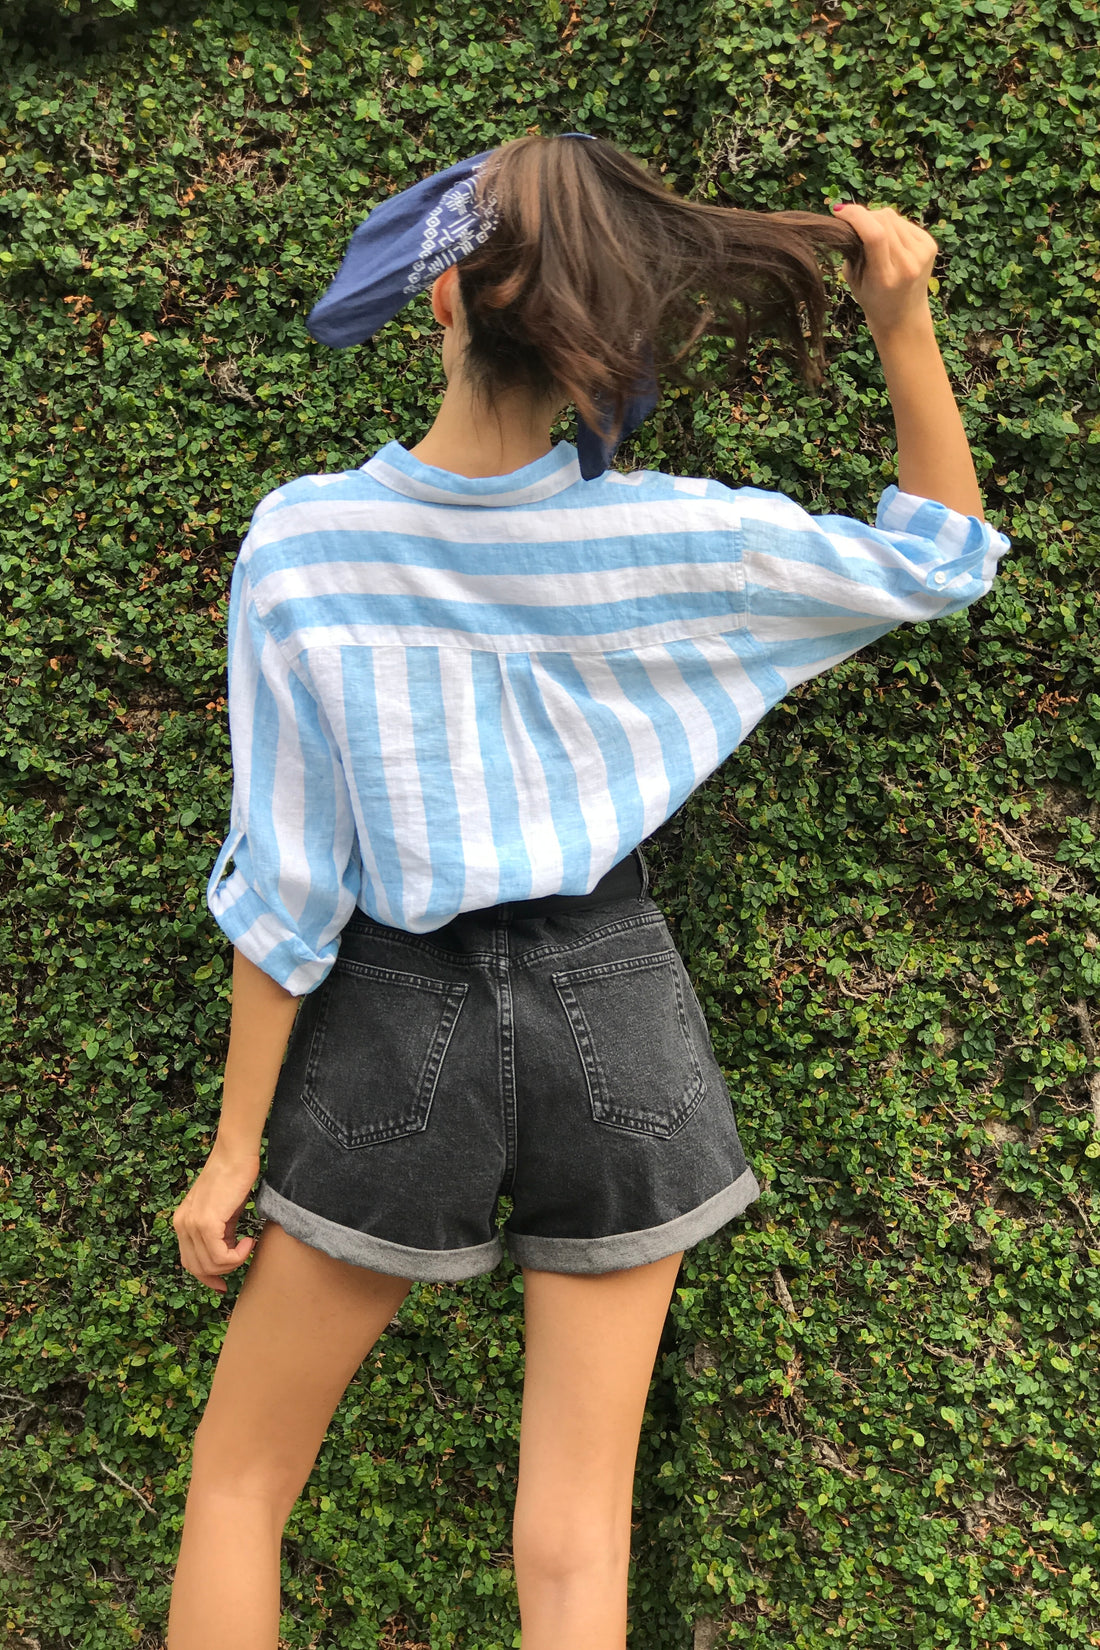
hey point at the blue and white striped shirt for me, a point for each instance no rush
(448, 692)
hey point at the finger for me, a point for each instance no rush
(207, 1255)
(867, 224)
(883, 224)
(191, 1262)
(902, 248)
(216, 1256)
(916, 250)
(915, 235)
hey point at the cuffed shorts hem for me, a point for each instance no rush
(395, 1259)
(616, 1252)
(625, 1249)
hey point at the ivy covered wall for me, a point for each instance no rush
(873, 1420)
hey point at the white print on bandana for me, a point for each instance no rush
(452, 230)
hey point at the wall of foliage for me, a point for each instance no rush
(873, 1420)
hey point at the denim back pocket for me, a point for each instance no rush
(631, 1031)
(377, 1051)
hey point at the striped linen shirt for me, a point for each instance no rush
(448, 692)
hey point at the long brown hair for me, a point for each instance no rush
(595, 272)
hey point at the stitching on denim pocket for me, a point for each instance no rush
(619, 1101)
(325, 1084)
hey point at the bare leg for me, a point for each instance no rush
(301, 1326)
(590, 1346)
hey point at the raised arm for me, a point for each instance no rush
(934, 458)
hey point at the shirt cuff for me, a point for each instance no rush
(245, 918)
(962, 546)
(955, 534)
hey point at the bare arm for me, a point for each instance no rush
(933, 453)
(260, 1024)
(206, 1221)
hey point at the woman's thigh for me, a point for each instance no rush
(591, 1341)
(301, 1325)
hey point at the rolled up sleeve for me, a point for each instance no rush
(919, 560)
(292, 834)
(820, 587)
(956, 555)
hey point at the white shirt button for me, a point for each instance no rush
(940, 578)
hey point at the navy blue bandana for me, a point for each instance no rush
(397, 252)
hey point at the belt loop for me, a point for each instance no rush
(644, 870)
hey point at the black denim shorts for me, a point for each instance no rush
(550, 1051)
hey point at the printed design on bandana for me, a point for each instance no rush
(452, 230)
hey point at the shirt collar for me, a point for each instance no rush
(395, 467)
